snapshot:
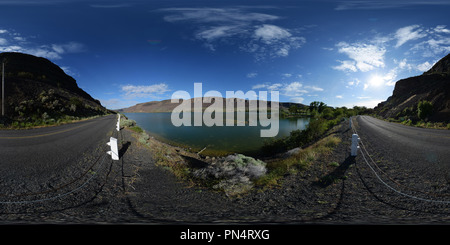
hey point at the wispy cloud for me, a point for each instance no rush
(293, 90)
(314, 88)
(409, 33)
(14, 42)
(144, 91)
(422, 47)
(215, 15)
(117, 103)
(364, 57)
(382, 4)
(249, 31)
(423, 67)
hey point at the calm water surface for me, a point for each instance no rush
(242, 139)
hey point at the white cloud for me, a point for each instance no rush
(132, 91)
(235, 26)
(286, 75)
(270, 41)
(269, 34)
(314, 88)
(15, 43)
(117, 103)
(403, 64)
(20, 39)
(252, 74)
(216, 15)
(3, 41)
(390, 77)
(217, 32)
(346, 65)
(3, 31)
(69, 71)
(294, 89)
(408, 33)
(259, 86)
(71, 47)
(355, 82)
(424, 66)
(275, 87)
(441, 29)
(339, 97)
(365, 57)
(297, 99)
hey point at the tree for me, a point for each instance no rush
(318, 106)
(424, 109)
(293, 109)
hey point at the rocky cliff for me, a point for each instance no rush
(432, 86)
(39, 92)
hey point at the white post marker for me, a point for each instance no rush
(114, 150)
(118, 123)
(355, 146)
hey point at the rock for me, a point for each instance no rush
(235, 171)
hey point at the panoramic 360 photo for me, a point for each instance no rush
(225, 117)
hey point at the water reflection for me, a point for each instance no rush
(240, 139)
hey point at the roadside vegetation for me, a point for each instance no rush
(322, 119)
(417, 116)
(316, 140)
(49, 108)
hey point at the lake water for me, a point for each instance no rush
(226, 139)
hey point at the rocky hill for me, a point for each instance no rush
(39, 92)
(432, 86)
(167, 106)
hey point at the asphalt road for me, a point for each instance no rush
(415, 152)
(38, 159)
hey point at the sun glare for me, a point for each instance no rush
(376, 81)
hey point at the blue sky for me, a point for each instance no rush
(343, 53)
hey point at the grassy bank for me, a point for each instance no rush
(299, 161)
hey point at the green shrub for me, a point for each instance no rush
(137, 129)
(127, 123)
(424, 109)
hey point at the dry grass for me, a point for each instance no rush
(297, 162)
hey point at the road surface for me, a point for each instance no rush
(416, 155)
(38, 160)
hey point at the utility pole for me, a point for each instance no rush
(3, 88)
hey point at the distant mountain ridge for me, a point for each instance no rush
(167, 106)
(38, 90)
(433, 85)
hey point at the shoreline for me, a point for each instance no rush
(205, 150)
